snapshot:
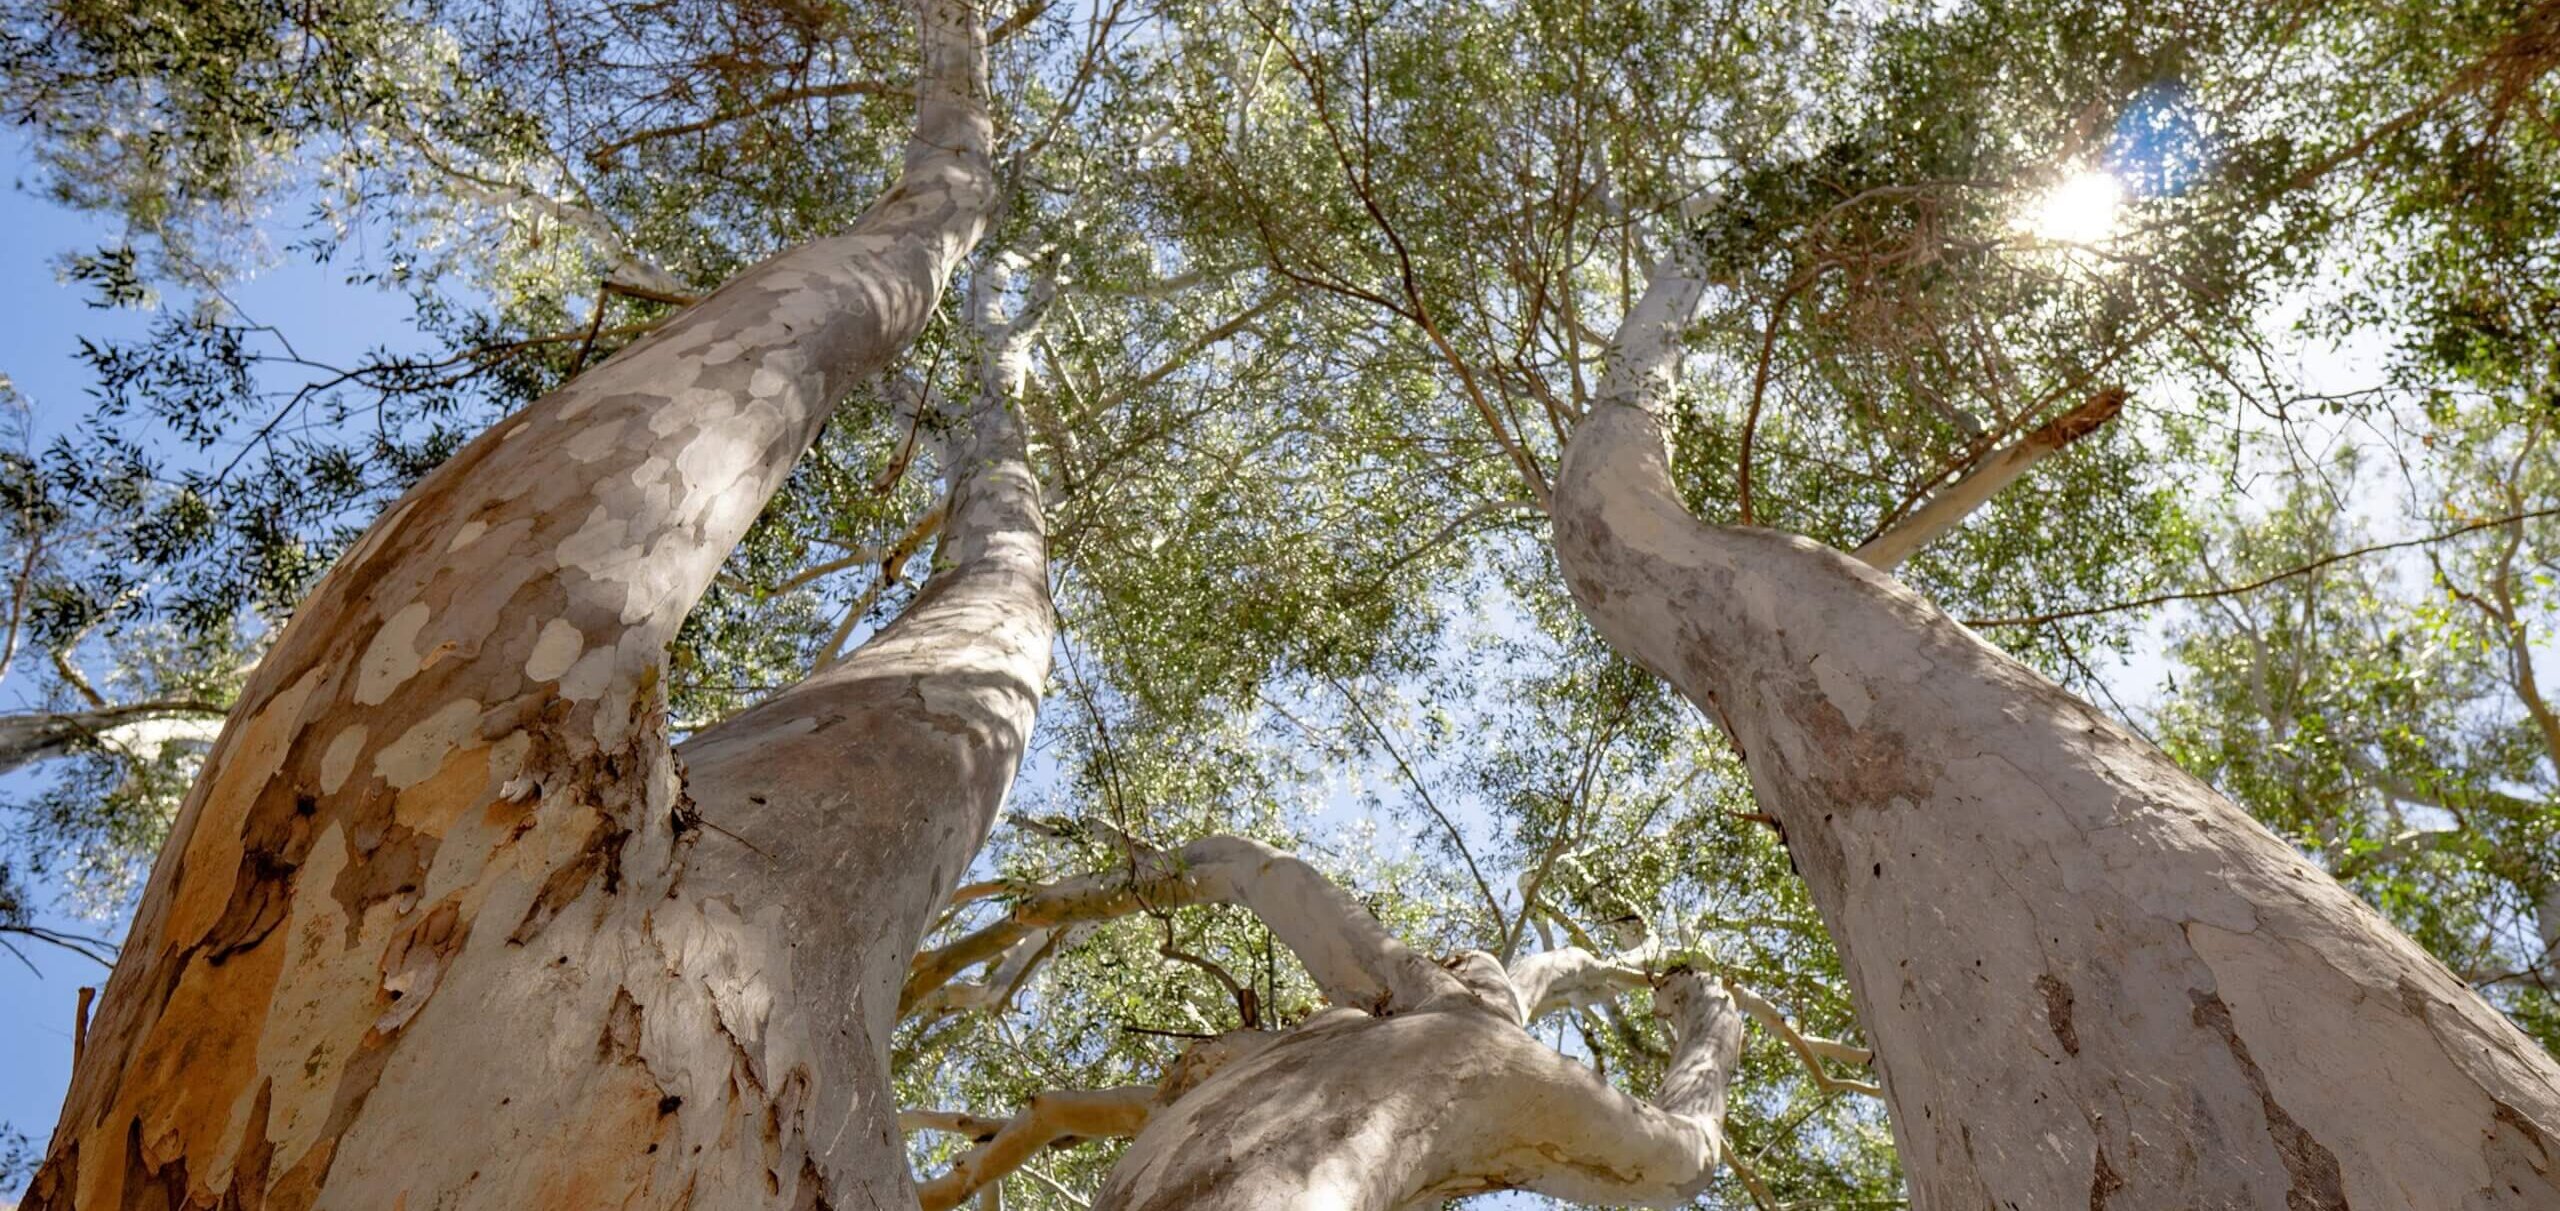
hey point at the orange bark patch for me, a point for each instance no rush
(181, 1086)
(250, 759)
(606, 1159)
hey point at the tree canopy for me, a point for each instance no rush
(1324, 283)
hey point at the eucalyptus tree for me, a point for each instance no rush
(487, 667)
(1284, 352)
(1854, 704)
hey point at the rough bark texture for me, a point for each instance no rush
(440, 927)
(2090, 979)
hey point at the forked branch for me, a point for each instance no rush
(1353, 959)
(1048, 1120)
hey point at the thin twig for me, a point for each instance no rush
(1491, 903)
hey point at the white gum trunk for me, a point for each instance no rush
(439, 928)
(848, 806)
(2090, 980)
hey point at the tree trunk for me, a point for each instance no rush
(2089, 978)
(445, 923)
(1349, 1112)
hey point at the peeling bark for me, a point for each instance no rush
(437, 926)
(2089, 978)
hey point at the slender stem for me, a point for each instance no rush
(1492, 904)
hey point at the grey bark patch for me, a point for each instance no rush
(2057, 1016)
(2317, 1183)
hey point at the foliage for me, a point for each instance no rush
(1334, 279)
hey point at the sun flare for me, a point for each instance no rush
(2082, 208)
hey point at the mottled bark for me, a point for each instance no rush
(441, 926)
(2090, 980)
(848, 806)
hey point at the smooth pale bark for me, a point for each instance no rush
(1420, 1084)
(440, 925)
(1353, 1111)
(144, 727)
(2090, 980)
(848, 806)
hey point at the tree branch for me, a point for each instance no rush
(1949, 508)
(1613, 1149)
(1353, 959)
(1572, 977)
(2160, 599)
(1048, 1120)
(603, 156)
(1812, 1049)
(926, 525)
(29, 738)
(1493, 905)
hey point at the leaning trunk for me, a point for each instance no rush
(2089, 979)
(443, 923)
(839, 814)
